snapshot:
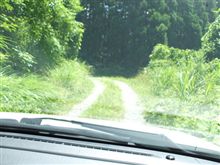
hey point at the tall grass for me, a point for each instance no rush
(183, 73)
(185, 122)
(30, 94)
(51, 94)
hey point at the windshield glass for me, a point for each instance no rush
(150, 63)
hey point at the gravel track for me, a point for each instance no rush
(78, 109)
(131, 103)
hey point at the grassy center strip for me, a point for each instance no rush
(108, 106)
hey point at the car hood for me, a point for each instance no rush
(175, 136)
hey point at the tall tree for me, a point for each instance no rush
(211, 40)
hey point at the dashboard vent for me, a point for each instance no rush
(75, 144)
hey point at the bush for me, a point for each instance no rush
(214, 67)
(183, 73)
(174, 55)
(3, 59)
(3, 44)
(69, 74)
(211, 40)
(21, 61)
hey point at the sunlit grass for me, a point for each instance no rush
(172, 112)
(51, 94)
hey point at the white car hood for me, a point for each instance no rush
(176, 136)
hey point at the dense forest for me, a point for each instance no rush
(124, 32)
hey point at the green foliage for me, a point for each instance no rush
(21, 61)
(174, 55)
(34, 35)
(214, 68)
(46, 95)
(3, 54)
(189, 83)
(29, 95)
(46, 29)
(200, 119)
(3, 58)
(69, 74)
(3, 44)
(184, 122)
(183, 73)
(211, 40)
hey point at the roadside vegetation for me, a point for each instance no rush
(39, 45)
(53, 93)
(180, 88)
(108, 106)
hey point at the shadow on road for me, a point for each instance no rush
(114, 71)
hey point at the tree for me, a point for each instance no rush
(211, 40)
(46, 29)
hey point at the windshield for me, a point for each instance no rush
(150, 63)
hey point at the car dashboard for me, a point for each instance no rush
(24, 149)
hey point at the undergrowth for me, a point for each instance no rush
(53, 93)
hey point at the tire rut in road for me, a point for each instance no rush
(78, 109)
(132, 104)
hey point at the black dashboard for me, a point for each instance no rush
(24, 149)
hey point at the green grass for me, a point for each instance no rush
(108, 106)
(179, 89)
(175, 113)
(54, 93)
(184, 122)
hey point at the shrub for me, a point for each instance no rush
(69, 73)
(21, 61)
(211, 40)
(174, 55)
(3, 44)
(184, 73)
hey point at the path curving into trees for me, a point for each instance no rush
(78, 109)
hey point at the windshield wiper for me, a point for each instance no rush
(33, 125)
(129, 137)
